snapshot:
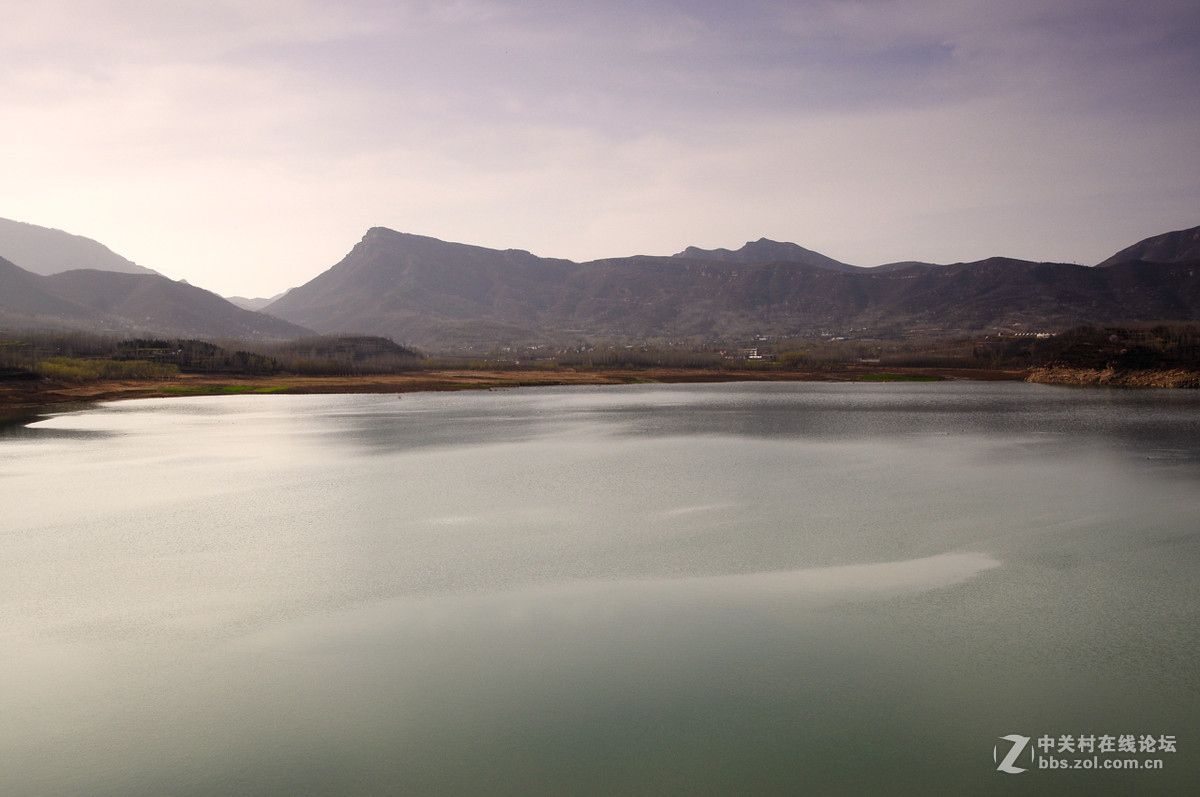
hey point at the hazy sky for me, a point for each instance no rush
(246, 145)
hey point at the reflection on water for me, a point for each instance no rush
(651, 589)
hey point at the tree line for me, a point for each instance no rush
(75, 355)
(82, 356)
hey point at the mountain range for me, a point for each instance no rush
(72, 283)
(437, 294)
(444, 296)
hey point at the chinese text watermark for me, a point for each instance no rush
(1015, 754)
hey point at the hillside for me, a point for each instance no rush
(26, 301)
(444, 296)
(151, 302)
(43, 250)
(105, 301)
(766, 251)
(441, 295)
(1181, 246)
(419, 289)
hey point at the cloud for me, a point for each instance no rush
(238, 142)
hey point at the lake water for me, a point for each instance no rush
(703, 589)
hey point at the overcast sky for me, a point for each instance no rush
(247, 145)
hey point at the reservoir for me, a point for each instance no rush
(751, 588)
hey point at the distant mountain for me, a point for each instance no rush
(252, 304)
(153, 302)
(766, 251)
(42, 250)
(886, 267)
(105, 301)
(26, 301)
(414, 288)
(444, 296)
(441, 295)
(1172, 247)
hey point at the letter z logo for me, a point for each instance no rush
(1018, 744)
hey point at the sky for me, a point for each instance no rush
(247, 145)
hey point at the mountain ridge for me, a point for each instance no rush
(451, 296)
(1179, 246)
(440, 294)
(46, 251)
(764, 250)
(109, 301)
(25, 299)
(154, 302)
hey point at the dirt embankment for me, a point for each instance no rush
(1109, 377)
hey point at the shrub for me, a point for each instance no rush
(73, 369)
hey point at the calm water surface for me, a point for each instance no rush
(734, 589)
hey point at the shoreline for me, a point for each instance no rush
(1110, 377)
(32, 397)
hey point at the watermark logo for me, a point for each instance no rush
(1009, 763)
(1085, 751)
